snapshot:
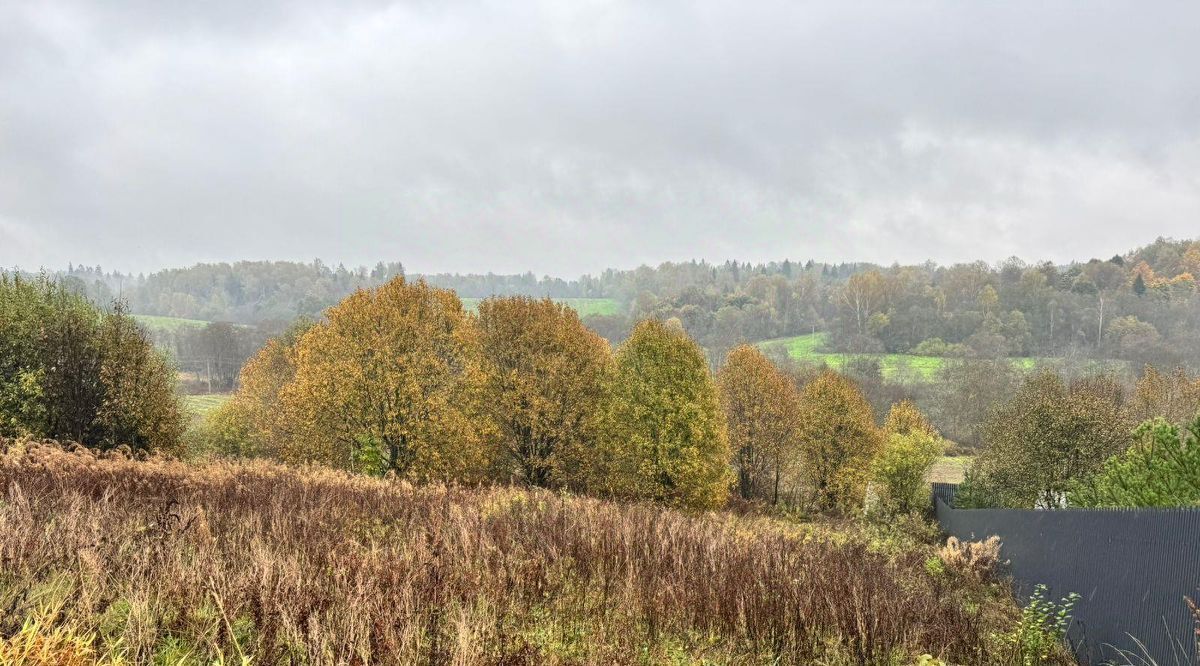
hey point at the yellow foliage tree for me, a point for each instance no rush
(252, 423)
(911, 447)
(1174, 396)
(904, 418)
(665, 433)
(837, 441)
(545, 374)
(762, 410)
(389, 382)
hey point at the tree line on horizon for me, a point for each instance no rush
(1141, 306)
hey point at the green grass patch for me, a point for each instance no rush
(950, 469)
(807, 348)
(200, 405)
(584, 306)
(172, 324)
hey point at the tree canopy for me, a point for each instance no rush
(544, 379)
(71, 371)
(1051, 434)
(838, 440)
(665, 433)
(762, 409)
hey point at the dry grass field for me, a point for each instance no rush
(113, 560)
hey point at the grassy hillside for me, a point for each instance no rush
(200, 405)
(164, 562)
(950, 469)
(924, 368)
(584, 306)
(171, 324)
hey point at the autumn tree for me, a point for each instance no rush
(545, 374)
(762, 409)
(665, 435)
(252, 422)
(910, 449)
(863, 294)
(1049, 435)
(905, 418)
(837, 441)
(389, 382)
(1174, 396)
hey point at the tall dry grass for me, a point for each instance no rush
(163, 561)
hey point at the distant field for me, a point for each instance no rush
(806, 348)
(950, 469)
(584, 306)
(200, 405)
(925, 368)
(157, 323)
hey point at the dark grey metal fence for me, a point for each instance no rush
(1132, 569)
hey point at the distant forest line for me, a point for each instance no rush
(1140, 306)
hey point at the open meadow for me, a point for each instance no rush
(154, 323)
(895, 367)
(199, 406)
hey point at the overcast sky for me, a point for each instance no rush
(566, 137)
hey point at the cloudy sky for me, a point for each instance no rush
(566, 137)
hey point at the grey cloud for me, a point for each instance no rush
(568, 137)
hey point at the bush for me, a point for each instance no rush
(1039, 638)
(1050, 435)
(1161, 469)
(71, 371)
(900, 469)
(939, 347)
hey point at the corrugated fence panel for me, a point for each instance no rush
(1132, 569)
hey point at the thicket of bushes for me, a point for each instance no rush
(71, 371)
(1061, 443)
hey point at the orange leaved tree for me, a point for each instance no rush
(762, 409)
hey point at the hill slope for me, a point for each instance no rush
(159, 560)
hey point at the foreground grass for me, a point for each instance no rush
(163, 562)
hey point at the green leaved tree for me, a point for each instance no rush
(664, 436)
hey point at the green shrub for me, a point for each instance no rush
(71, 371)
(1161, 469)
(900, 469)
(1039, 636)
